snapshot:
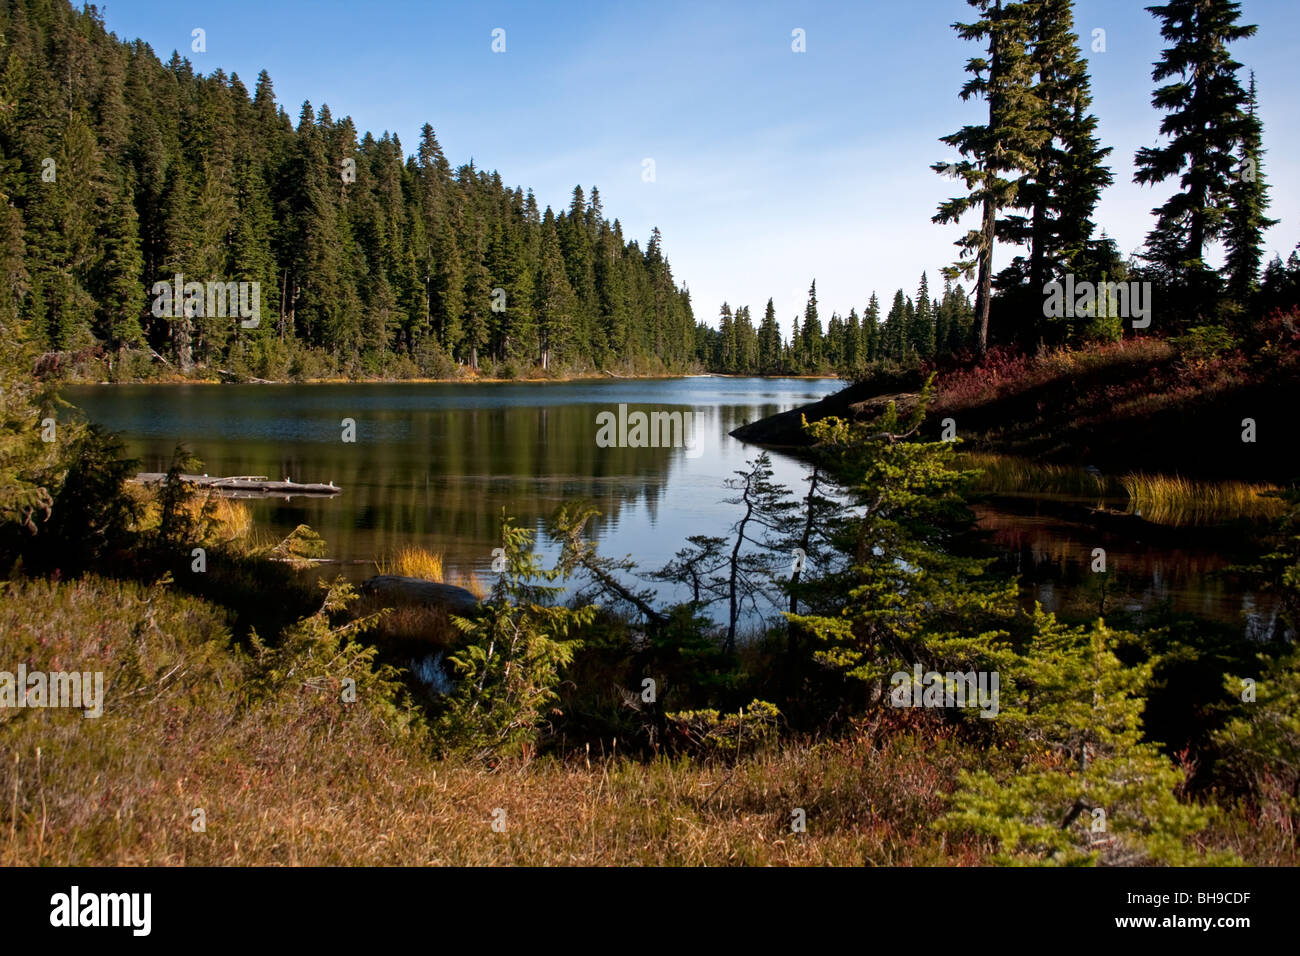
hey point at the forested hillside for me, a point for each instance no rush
(119, 171)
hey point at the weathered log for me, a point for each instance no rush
(244, 486)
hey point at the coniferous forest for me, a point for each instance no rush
(119, 170)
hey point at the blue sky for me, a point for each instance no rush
(771, 167)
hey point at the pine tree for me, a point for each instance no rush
(871, 333)
(1205, 122)
(1069, 174)
(369, 261)
(1248, 199)
(554, 302)
(119, 294)
(996, 153)
(1086, 788)
(920, 332)
(746, 342)
(904, 595)
(812, 332)
(893, 337)
(769, 342)
(833, 346)
(726, 358)
(852, 360)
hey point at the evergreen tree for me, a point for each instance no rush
(905, 596)
(834, 346)
(1069, 174)
(996, 154)
(893, 337)
(920, 333)
(1087, 788)
(1205, 122)
(368, 261)
(853, 357)
(769, 342)
(553, 300)
(811, 336)
(726, 358)
(871, 332)
(746, 342)
(1248, 199)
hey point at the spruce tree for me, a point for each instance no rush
(997, 153)
(812, 332)
(1084, 786)
(1247, 202)
(905, 595)
(1206, 120)
(920, 331)
(871, 334)
(1069, 174)
(769, 342)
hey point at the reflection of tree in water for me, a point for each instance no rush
(443, 483)
(1053, 559)
(434, 465)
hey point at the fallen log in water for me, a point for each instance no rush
(244, 486)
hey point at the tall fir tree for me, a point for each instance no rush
(997, 153)
(1205, 121)
(1247, 202)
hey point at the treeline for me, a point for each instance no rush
(914, 329)
(1033, 171)
(118, 171)
(1031, 176)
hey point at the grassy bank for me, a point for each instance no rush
(1143, 404)
(1169, 500)
(285, 772)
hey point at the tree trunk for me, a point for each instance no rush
(735, 571)
(985, 294)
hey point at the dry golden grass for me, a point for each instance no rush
(413, 561)
(294, 776)
(220, 520)
(298, 777)
(470, 582)
(1005, 474)
(233, 519)
(1171, 500)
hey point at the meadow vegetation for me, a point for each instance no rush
(255, 716)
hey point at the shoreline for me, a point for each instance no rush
(460, 380)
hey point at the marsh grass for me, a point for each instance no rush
(1160, 499)
(1181, 502)
(1004, 474)
(412, 561)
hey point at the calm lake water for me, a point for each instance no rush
(434, 465)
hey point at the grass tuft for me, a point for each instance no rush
(413, 561)
(1181, 502)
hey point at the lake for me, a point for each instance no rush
(434, 465)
